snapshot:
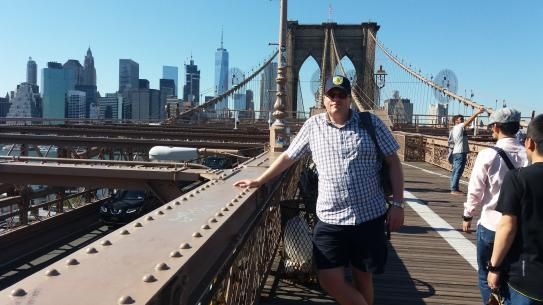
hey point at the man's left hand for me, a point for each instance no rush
(493, 280)
(395, 218)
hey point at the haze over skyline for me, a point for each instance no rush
(494, 47)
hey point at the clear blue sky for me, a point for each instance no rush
(494, 47)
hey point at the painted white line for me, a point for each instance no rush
(462, 245)
(433, 173)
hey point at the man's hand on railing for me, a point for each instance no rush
(248, 183)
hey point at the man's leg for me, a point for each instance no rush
(363, 282)
(515, 298)
(333, 281)
(485, 239)
(455, 178)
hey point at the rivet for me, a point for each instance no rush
(235, 200)
(175, 254)
(19, 292)
(231, 204)
(212, 220)
(177, 203)
(169, 207)
(159, 213)
(191, 195)
(212, 183)
(149, 278)
(185, 246)
(197, 192)
(91, 250)
(124, 232)
(207, 186)
(149, 218)
(225, 209)
(219, 214)
(72, 262)
(138, 225)
(185, 199)
(240, 196)
(203, 189)
(243, 193)
(105, 243)
(52, 272)
(161, 267)
(196, 234)
(126, 299)
(206, 227)
(247, 189)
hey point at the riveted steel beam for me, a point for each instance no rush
(163, 257)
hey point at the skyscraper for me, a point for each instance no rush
(268, 89)
(76, 104)
(129, 74)
(191, 90)
(26, 102)
(31, 72)
(171, 72)
(110, 106)
(400, 109)
(167, 90)
(54, 91)
(73, 73)
(221, 74)
(89, 72)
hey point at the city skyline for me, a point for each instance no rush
(495, 54)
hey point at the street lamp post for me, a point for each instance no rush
(380, 78)
(278, 132)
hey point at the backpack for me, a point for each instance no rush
(504, 156)
(366, 124)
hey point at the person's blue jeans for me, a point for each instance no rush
(459, 162)
(515, 298)
(485, 242)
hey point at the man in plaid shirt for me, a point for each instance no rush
(351, 205)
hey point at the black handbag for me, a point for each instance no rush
(365, 123)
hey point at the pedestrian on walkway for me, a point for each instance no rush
(351, 205)
(519, 236)
(485, 183)
(458, 148)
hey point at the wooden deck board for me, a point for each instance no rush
(422, 267)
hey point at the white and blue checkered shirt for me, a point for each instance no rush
(350, 191)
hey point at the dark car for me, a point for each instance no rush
(127, 205)
(218, 162)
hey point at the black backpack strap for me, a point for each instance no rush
(504, 156)
(366, 123)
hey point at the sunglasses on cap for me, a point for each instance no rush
(339, 94)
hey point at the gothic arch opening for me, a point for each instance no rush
(308, 84)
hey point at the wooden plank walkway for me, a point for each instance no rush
(422, 267)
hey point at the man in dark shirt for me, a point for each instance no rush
(519, 236)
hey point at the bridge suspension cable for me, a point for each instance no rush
(212, 102)
(443, 90)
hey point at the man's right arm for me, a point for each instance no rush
(467, 123)
(476, 189)
(278, 166)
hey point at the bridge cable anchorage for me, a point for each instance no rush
(224, 95)
(466, 101)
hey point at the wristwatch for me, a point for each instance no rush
(491, 268)
(398, 204)
(467, 218)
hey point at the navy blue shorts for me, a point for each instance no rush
(363, 246)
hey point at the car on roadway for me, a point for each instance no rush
(127, 205)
